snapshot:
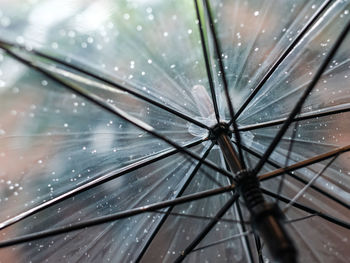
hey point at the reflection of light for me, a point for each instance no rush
(43, 17)
(12, 71)
(144, 2)
(92, 17)
(43, 14)
(103, 139)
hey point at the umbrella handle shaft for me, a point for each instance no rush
(267, 219)
(274, 234)
(229, 153)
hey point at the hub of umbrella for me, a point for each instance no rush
(267, 219)
(220, 129)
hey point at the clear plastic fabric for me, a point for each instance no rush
(54, 141)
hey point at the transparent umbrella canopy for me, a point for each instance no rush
(169, 131)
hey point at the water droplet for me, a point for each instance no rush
(71, 33)
(5, 21)
(54, 45)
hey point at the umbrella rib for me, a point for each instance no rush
(258, 247)
(219, 54)
(302, 99)
(301, 179)
(213, 179)
(207, 61)
(290, 147)
(310, 210)
(207, 229)
(168, 212)
(292, 221)
(292, 92)
(200, 217)
(89, 185)
(297, 196)
(302, 164)
(114, 110)
(116, 216)
(248, 248)
(240, 235)
(273, 68)
(244, 230)
(302, 141)
(109, 82)
(304, 116)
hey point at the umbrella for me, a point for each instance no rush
(161, 131)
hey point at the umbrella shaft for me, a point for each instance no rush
(230, 153)
(266, 218)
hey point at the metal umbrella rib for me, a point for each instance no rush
(302, 99)
(104, 80)
(169, 211)
(160, 205)
(310, 210)
(297, 177)
(94, 183)
(219, 54)
(315, 159)
(208, 227)
(113, 217)
(244, 230)
(301, 117)
(273, 68)
(207, 59)
(101, 103)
